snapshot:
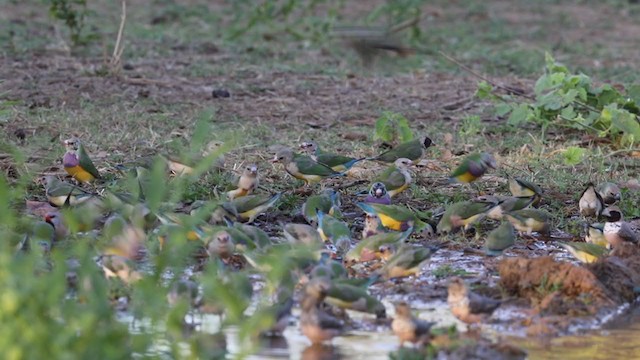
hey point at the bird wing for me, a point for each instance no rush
(86, 163)
(482, 304)
(392, 178)
(307, 166)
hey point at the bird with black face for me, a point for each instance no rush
(412, 150)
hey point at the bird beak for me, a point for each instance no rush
(275, 159)
(378, 192)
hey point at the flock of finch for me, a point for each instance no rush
(385, 238)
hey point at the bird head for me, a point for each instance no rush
(403, 163)
(72, 144)
(309, 147)
(402, 309)
(378, 190)
(612, 214)
(251, 169)
(284, 156)
(488, 160)
(427, 142)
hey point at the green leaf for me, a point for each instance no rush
(573, 155)
(484, 90)
(519, 115)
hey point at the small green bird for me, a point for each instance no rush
(247, 183)
(41, 233)
(530, 220)
(213, 152)
(616, 230)
(220, 245)
(257, 235)
(508, 203)
(462, 214)
(354, 298)
(591, 203)
(367, 249)
(500, 239)
(60, 193)
(328, 268)
(473, 167)
(609, 192)
(250, 207)
(412, 150)
(523, 188)
(406, 261)
(303, 167)
(315, 323)
(334, 230)
(302, 233)
(585, 252)
(595, 235)
(328, 202)
(408, 328)
(337, 162)
(394, 217)
(77, 162)
(119, 267)
(396, 178)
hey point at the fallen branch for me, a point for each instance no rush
(115, 64)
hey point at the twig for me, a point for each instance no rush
(614, 153)
(118, 49)
(352, 184)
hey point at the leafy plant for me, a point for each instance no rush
(573, 155)
(572, 100)
(392, 127)
(72, 13)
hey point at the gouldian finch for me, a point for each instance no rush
(530, 220)
(585, 252)
(315, 323)
(247, 183)
(617, 231)
(369, 41)
(332, 229)
(367, 249)
(60, 229)
(378, 194)
(523, 188)
(500, 239)
(183, 166)
(609, 192)
(250, 207)
(466, 305)
(462, 214)
(257, 235)
(328, 268)
(396, 178)
(354, 298)
(406, 261)
(328, 202)
(303, 167)
(301, 233)
(281, 312)
(120, 267)
(127, 239)
(183, 290)
(591, 203)
(60, 193)
(408, 328)
(77, 162)
(220, 245)
(412, 150)
(595, 235)
(393, 217)
(337, 162)
(473, 167)
(509, 203)
(372, 226)
(42, 233)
